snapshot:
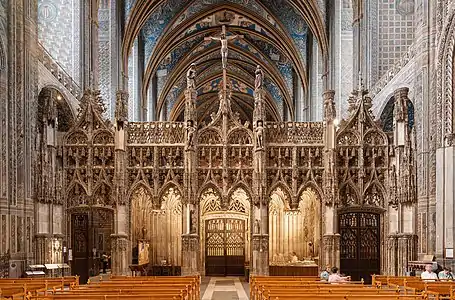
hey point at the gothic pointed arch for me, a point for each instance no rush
(139, 186)
(176, 189)
(76, 194)
(210, 199)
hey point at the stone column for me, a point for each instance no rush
(90, 45)
(406, 251)
(392, 259)
(259, 209)
(330, 240)
(402, 187)
(120, 240)
(445, 200)
(190, 217)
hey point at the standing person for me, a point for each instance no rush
(335, 277)
(325, 273)
(105, 260)
(429, 275)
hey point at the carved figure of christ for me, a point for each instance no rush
(224, 44)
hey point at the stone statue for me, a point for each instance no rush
(190, 130)
(257, 227)
(400, 108)
(190, 77)
(193, 222)
(259, 78)
(259, 135)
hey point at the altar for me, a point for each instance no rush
(293, 270)
(299, 268)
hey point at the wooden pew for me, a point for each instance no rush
(272, 288)
(21, 287)
(126, 287)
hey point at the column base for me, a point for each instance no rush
(330, 250)
(260, 259)
(401, 248)
(190, 254)
(120, 257)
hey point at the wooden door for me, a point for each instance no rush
(224, 247)
(79, 244)
(360, 245)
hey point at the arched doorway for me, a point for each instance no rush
(224, 233)
(360, 244)
(294, 230)
(158, 224)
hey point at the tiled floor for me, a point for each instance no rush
(224, 288)
(213, 288)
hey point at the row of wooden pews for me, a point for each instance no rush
(439, 290)
(307, 287)
(125, 287)
(20, 288)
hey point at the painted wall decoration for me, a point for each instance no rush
(58, 32)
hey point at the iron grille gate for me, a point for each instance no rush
(360, 245)
(224, 247)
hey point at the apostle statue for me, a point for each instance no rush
(400, 108)
(190, 131)
(190, 77)
(257, 227)
(259, 135)
(259, 78)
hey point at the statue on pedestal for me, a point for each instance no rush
(257, 227)
(259, 135)
(190, 77)
(259, 78)
(190, 130)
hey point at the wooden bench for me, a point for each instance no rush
(127, 287)
(276, 288)
(20, 288)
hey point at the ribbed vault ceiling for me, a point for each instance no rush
(275, 36)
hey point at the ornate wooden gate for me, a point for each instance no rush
(360, 245)
(224, 247)
(79, 244)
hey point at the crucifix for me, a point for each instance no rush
(224, 48)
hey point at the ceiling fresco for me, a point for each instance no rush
(274, 34)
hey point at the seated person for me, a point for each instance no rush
(429, 275)
(335, 277)
(325, 274)
(294, 257)
(445, 274)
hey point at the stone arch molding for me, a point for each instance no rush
(444, 100)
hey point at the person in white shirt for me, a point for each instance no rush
(428, 274)
(335, 277)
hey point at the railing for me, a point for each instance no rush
(295, 132)
(156, 133)
(59, 72)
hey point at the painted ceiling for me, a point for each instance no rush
(275, 36)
